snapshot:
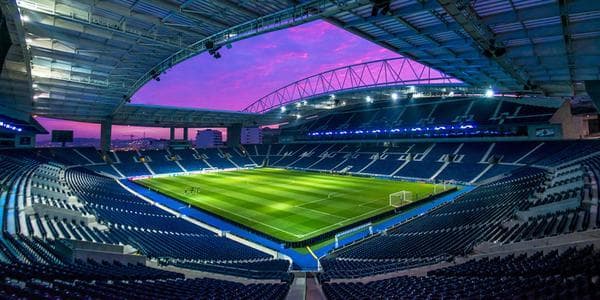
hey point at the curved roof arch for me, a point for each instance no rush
(394, 72)
(88, 57)
(85, 57)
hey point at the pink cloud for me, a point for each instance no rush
(250, 70)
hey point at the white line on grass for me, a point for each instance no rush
(241, 216)
(337, 196)
(341, 223)
(320, 212)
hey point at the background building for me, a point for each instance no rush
(251, 135)
(209, 138)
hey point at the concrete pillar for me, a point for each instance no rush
(185, 133)
(105, 135)
(234, 135)
(172, 134)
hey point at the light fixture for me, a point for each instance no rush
(381, 7)
(369, 99)
(489, 93)
(394, 96)
(283, 109)
(213, 49)
(451, 94)
(155, 75)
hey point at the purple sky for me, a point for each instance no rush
(250, 70)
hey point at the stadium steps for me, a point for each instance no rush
(176, 161)
(369, 164)
(277, 161)
(203, 158)
(529, 153)
(316, 162)
(191, 274)
(432, 111)
(117, 170)
(484, 159)
(149, 169)
(314, 291)
(227, 157)
(117, 158)
(446, 164)
(469, 108)
(427, 151)
(417, 271)
(298, 288)
(324, 156)
(253, 161)
(576, 238)
(84, 157)
(35, 226)
(278, 152)
(400, 168)
(340, 164)
(180, 166)
(483, 173)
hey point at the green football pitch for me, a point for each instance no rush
(289, 205)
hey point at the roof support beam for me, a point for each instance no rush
(564, 20)
(401, 12)
(238, 8)
(81, 22)
(130, 13)
(188, 13)
(299, 14)
(482, 35)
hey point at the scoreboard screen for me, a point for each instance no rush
(62, 136)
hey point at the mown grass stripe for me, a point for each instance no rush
(289, 205)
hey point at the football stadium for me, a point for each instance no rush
(300, 149)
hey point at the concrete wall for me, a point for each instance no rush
(572, 127)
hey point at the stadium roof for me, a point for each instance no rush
(82, 60)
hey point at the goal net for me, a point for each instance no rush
(441, 187)
(400, 198)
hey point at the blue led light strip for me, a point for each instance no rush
(9, 126)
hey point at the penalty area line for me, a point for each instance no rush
(253, 220)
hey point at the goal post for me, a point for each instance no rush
(440, 187)
(400, 198)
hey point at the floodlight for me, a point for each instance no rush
(489, 93)
(283, 109)
(394, 96)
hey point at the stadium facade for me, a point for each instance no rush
(473, 173)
